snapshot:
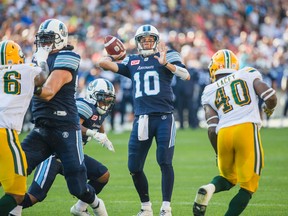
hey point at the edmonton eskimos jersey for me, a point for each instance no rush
(62, 107)
(152, 91)
(234, 98)
(92, 119)
(16, 91)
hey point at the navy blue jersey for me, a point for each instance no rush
(88, 112)
(152, 91)
(62, 107)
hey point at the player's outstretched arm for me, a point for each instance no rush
(41, 56)
(53, 84)
(108, 62)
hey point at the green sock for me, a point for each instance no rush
(221, 184)
(238, 203)
(7, 203)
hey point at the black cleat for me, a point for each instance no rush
(198, 209)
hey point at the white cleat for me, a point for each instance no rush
(101, 209)
(145, 211)
(74, 211)
(203, 196)
(167, 211)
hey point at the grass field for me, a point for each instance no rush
(194, 165)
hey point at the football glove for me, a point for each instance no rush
(101, 138)
(42, 53)
(268, 111)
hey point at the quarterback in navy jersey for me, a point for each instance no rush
(92, 115)
(151, 72)
(57, 127)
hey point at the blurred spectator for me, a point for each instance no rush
(255, 30)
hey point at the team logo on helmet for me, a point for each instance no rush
(62, 30)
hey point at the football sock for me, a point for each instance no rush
(81, 206)
(146, 204)
(26, 203)
(165, 204)
(7, 203)
(141, 185)
(167, 181)
(238, 203)
(16, 211)
(95, 203)
(221, 184)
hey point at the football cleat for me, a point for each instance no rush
(165, 211)
(201, 201)
(145, 211)
(74, 211)
(100, 210)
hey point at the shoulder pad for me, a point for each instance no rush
(250, 69)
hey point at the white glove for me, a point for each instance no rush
(42, 54)
(101, 138)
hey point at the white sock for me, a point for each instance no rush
(146, 203)
(95, 202)
(165, 205)
(80, 205)
(17, 211)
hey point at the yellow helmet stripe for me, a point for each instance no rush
(2, 52)
(227, 59)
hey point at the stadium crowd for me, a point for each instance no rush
(256, 30)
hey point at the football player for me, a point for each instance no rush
(57, 128)
(151, 72)
(17, 81)
(93, 109)
(231, 110)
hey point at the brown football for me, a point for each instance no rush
(114, 46)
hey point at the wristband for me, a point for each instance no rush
(38, 90)
(112, 58)
(90, 133)
(165, 64)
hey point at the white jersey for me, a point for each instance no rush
(16, 91)
(234, 98)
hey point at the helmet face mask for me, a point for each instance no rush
(101, 93)
(223, 62)
(52, 32)
(141, 33)
(11, 53)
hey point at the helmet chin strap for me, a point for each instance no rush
(101, 111)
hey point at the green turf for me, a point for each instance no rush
(194, 165)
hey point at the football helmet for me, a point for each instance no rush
(52, 32)
(11, 53)
(223, 61)
(101, 93)
(143, 31)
